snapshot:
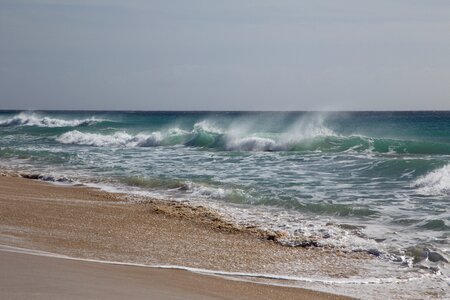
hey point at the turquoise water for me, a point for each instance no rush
(361, 181)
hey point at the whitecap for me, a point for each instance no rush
(27, 119)
(205, 126)
(118, 139)
(253, 143)
(436, 182)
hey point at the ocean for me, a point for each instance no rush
(375, 182)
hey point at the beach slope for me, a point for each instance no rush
(90, 224)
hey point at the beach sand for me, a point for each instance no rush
(91, 224)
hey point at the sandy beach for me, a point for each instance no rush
(27, 276)
(91, 224)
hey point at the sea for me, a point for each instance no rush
(374, 182)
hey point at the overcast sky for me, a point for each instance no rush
(225, 55)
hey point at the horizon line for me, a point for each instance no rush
(215, 111)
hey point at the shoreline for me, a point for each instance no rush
(88, 224)
(46, 217)
(233, 276)
(76, 279)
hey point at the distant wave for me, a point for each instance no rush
(436, 182)
(31, 119)
(308, 138)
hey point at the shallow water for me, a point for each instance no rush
(367, 181)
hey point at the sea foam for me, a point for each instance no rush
(118, 139)
(436, 182)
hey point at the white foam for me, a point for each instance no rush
(253, 143)
(436, 182)
(118, 139)
(208, 192)
(295, 229)
(206, 126)
(239, 138)
(27, 119)
(123, 139)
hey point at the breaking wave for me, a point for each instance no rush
(436, 182)
(26, 119)
(205, 135)
(118, 139)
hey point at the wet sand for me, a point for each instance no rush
(26, 276)
(88, 223)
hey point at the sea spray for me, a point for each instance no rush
(436, 182)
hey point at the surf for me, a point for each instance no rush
(436, 182)
(33, 119)
(201, 136)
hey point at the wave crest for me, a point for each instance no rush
(118, 139)
(304, 138)
(254, 144)
(436, 182)
(26, 119)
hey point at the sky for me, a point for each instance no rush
(225, 55)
